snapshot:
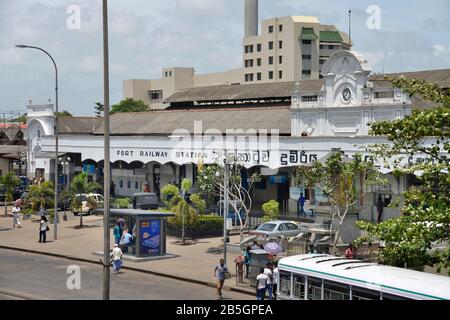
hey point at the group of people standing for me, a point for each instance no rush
(267, 281)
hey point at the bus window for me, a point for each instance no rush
(314, 289)
(387, 296)
(364, 294)
(285, 283)
(299, 287)
(336, 291)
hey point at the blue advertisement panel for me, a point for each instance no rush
(150, 237)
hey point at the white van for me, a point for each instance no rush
(84, 200)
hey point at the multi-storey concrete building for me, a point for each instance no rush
(287, 49)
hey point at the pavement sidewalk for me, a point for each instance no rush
(194, 263)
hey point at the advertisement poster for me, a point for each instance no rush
(150, 237)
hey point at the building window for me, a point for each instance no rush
(39, 134)
(136, 185)
(166, 74)
(249, 77)
(306, 71)
(270, 45)
(270, 75)
(258, 76)
(309, 98)
(330, 47)
(258, 62)
(384, 95)
(280, 59)
(280, 44)
(249, 49)
(321, 46)
(306, 41)
(270, 60)
(280, 74)
(306, 57)
(280, 28)
(258, 47)
(249, 63)
(156, 96)
(121, 184)
(270, 29)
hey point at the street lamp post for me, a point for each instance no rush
(56, 217)
(66, 164)
(107, 178)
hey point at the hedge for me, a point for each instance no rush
(207, 226)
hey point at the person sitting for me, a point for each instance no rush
(126, 239)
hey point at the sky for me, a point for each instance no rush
(148, 35)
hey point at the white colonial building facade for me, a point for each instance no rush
(269, 128)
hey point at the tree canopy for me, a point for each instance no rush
(129, 105)
(420, 236)
(64, 113)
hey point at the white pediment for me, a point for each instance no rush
(346, 63)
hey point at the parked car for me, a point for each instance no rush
(145, 201)
(84, 200)
(273, 229)
(232, 214)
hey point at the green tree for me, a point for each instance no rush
(129, 105)
(64, 113)
(80, 185)
(271, 211)
(99, 109)
(210, 181)
(343, 181)
(41, 196)
(185, 215)
(9, 182)
(420, 236)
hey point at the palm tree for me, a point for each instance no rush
(9, 182)
(41, 196)
(81, 185)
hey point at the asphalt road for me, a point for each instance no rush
(32, 276)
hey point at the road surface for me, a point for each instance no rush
(32, 276)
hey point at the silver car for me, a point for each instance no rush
(273, 229)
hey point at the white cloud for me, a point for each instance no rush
(146, 36)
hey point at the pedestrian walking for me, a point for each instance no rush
(247, 260)
(268, 272)
(301, 205)
(116, 257)
(117, 232)
(221, 273)
(275, 274)
(380, 208)
(16, 215)
(43, 228)
(261, 285)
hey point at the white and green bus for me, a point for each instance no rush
(326, 277)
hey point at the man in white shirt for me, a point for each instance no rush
(275, 273)
(117, 258)
(269, 274)
(261, 285)
(16, 216)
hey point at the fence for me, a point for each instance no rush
(247, 274)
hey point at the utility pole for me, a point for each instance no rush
(225, 205)
(350, 26)
(106, 243)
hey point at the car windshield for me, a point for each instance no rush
(267, 227)
(149, 198)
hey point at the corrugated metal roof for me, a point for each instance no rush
(243, 92)
(78, 125)
(166, 122)
(285, 89)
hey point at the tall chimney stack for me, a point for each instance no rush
(251, 18)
